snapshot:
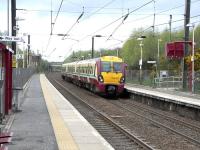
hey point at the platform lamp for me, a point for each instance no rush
(192, 58)
(93, 44)
(158, 59)
(141, 52)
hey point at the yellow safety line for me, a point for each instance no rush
(63, 137)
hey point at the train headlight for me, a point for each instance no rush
(100, 78)
(122, 79)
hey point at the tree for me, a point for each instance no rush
(196, 60)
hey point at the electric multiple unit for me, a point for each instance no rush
(104, 75)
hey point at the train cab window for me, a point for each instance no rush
(86, 70)
(117, 67)
(105, 66)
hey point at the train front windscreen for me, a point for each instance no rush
(111, 72)
(107, 66)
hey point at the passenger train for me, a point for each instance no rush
(104, 75)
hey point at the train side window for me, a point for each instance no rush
(93, 70)
(90, 69)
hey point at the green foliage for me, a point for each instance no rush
(43, 66)
(197, 37)
(131, 50)
(80, 55)
(196, 58)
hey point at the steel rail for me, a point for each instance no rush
(189, 125)
(161, 125)
(131, 136)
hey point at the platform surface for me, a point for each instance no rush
(31, 126)
(77, 132)
(49, 122)
(183, 98)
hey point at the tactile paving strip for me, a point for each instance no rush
(64, 139)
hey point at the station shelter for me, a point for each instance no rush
(5, 80)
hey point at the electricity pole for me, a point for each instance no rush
(186, 37)
(170, 28)
(13, 16)
(28, 52)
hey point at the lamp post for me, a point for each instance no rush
(93, 44)
(82, 57)
(158, 58)
(192, 58)
(16, 28)
(89, 55)
(141, 53)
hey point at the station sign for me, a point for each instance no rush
(14, 62)
(11, 39)
(140, 62)
(19, 56)
(151, 62)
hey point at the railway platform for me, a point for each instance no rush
(185, 103)
(174, 96)
(46, 120)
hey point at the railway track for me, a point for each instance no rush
(167, 117)
(138, 108)
(147, 131)
(116, 134)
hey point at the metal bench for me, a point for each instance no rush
(3, 148)
(6, 134)
(5, 137)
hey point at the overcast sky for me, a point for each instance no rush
(101, 17)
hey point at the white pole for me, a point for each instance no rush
(158, 74)
(192, 59)
(8, 9)
(141, 61)
(23, 56)
(158, 59)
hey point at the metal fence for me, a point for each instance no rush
(21, 76)
(172, 80)
(197, 82)
(147, 77)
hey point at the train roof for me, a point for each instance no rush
(92, 61)
(111, 58)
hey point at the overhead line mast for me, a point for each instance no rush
(53, 23)
(13, 16)
(186, 51)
